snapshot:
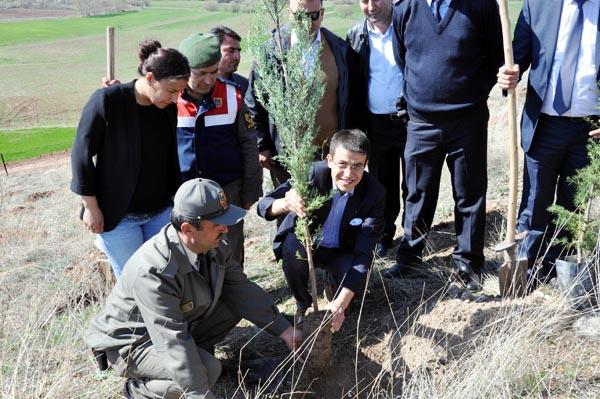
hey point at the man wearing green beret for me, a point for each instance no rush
(215, 135)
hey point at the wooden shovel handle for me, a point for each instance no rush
(110, 53)
(511, 217)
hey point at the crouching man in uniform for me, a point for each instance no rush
(179, 295)
(352, 221)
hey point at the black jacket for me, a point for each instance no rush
(109, 128)
(268, 137)
(365, 207)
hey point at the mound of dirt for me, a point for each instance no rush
(93, 278)
(39, 195)
(447, 331)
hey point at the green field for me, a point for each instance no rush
(29, 143)
(48, 68)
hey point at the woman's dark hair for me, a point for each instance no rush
(163, 63)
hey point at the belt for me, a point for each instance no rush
(574, 119)
(388, 117)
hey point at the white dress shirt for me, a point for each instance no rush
(585, 89)
(385, 78)
(312, 54)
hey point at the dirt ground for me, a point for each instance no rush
(14, 14)
(424, 324)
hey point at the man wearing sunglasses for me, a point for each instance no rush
(333, 114)
(351, 224)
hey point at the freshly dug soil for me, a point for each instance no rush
(318, 337)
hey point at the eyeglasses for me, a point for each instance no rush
(314, 15)
(355, 167)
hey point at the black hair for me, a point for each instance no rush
(177, 220)
(221, 31)
(163, 63)
(354, 140)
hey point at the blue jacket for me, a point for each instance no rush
(215, 140)
(534, 44)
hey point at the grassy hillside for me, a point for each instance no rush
(48, 68)
(29, 143)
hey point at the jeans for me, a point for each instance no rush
(131, 232)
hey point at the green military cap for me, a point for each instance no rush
(201, 50)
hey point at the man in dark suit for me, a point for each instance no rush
(558, 41)
(449, 52)
(352, 221)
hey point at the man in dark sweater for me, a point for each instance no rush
(449, 52)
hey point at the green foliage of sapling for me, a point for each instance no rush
(290, 89)
(582, 224)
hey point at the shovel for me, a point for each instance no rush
(110, 53)
(512, 275)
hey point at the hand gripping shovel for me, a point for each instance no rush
(512, 275)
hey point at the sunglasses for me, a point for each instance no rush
(314, 15)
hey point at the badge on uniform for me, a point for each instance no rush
(356, 222)
(218, 102)
(223, 200)
(249, 122)
(186, 307)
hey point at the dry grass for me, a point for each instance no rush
(414, 338)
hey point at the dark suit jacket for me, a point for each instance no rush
(367, 204)
(534, 44)
(109, 128)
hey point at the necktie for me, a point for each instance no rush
(568, 67)
(202, 265)
(436, 10)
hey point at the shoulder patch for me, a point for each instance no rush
(248, 120)
(186, 307)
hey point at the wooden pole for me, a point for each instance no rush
(510, 278)
(110, 53)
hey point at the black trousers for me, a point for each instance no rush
(558, 150)
(386, 163)
(462, 144)
(295, 268)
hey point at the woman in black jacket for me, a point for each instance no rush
(124, 158)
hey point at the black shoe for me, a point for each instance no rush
(397, 270)
(382, 248)
(471, 279)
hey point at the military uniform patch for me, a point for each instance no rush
(186, 307)
(249, 122)
(223, 200)
(218, 102)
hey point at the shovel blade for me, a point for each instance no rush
(512, 277)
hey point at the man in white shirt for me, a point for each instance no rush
(558, 41)
(379, 90)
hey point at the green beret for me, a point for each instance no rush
(201, 49)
